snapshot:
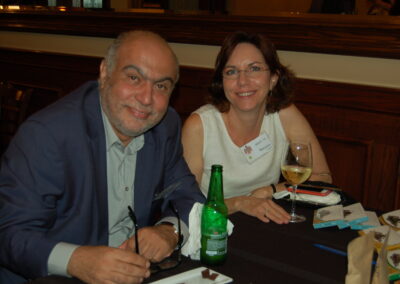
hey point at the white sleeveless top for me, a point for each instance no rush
(239, 176)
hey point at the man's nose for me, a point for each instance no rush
(145, 94)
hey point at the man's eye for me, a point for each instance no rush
(164, 87)
(134, 78)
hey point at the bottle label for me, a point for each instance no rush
(216, 244)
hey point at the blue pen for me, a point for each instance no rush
(335, 251)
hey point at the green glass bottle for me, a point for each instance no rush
(214, 235)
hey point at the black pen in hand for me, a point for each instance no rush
(133, 217)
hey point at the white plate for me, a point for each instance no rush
(194, 276)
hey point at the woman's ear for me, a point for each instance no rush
(273, 81)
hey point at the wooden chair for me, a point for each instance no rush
(13, 107)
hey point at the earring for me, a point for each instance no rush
(270, 93)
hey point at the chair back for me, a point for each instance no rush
(14, 103)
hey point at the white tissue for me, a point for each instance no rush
(330, 199)
(192, 246)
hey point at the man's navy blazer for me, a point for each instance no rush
(53, 182)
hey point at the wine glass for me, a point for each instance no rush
(296, 167)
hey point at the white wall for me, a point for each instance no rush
(338, 68)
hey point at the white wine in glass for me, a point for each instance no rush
(296, 167)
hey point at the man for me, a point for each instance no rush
(73, 169)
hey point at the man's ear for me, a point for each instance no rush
(103, 73)
(103, 70)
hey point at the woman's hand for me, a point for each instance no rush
(262, 192)
(264, 209)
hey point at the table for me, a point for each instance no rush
(272, 253)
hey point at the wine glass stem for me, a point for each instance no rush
(293, 212)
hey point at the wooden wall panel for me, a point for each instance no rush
(191, 91)
(358, 126)
(376, 36)
(352, 174)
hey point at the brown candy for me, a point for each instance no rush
(206, 274)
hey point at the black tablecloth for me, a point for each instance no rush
(272, 253)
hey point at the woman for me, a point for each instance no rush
(251, 106)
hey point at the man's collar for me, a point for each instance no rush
(111, 137)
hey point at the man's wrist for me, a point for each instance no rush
(172, 225)
(173, 229)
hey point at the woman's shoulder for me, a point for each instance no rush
(208, 108)
(201, 118)
(290, 114)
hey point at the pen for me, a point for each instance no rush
(335, 251)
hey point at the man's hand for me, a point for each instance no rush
(101, 264)
(155, 243)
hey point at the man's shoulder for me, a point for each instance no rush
(169, 126)
(70, 116)
(171, 119)
(68, 107)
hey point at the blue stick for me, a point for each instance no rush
(335, 251)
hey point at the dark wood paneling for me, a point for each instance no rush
(352, 176)
(359, 129)
(358, 126)
(374, 36)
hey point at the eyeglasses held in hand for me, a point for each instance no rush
(169, 262)
(252, 71)
(133, 218)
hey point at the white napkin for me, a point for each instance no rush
(330, 199)
(192, 246)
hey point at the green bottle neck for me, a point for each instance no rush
(215, 191)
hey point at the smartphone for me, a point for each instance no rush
(309, 190)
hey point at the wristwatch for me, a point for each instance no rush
(273, 188)
(171, 224)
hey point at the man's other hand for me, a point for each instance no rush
(101, 264)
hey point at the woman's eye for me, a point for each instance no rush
(231, 72)
(255, 68)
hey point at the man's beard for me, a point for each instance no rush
(115, 121)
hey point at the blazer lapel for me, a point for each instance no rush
(96, 136)
(147, 179)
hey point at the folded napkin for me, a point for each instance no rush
(330, 199)
(193, 245)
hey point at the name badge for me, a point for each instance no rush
(256, 148)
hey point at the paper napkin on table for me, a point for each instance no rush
(353, 214)
(391, 219)
(381, 233)
(328, 216)
(372, 222)
(330, 199)
(192, 246)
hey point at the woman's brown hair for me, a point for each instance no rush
(280, 97)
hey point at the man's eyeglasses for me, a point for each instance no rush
(252, 71)
(133, 218)
(170, 262)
